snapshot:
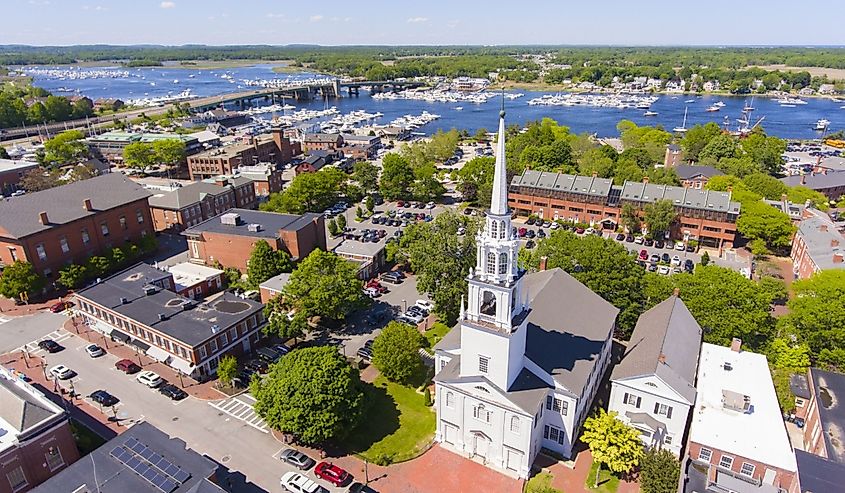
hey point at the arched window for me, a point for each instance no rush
(494, 228)
(450, 399)
(491, 263)
(503, 263)
(502, 230)
(488, 304)
(515, 424)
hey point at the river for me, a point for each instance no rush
(797, 122)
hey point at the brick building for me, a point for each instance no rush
(322, 142)
(818, 245)
(272, 287)
(737, 439)
(825, 415)
(267, 178)
(275, 148)
(109, 146)
(140, 308)
(695, 176)
(195, 281)
(229, 238)
(192, 204)
(706, 216)
(70, 223)
(37, 441)
(11, 173)
(831, 184)
(673, 156)
(317, 160)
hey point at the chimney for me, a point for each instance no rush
(543, 262)
(42, 216)
(823, 228)
(834, 243)
(645, 180)
(838, 258)
(736, 345)
(676, 292)
(662, 358)
(730, 189)
(87, 205)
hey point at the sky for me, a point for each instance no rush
(426, 22)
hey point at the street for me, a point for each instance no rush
(18, 331)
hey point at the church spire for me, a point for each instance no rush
(499, 204)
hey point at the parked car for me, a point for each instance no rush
(149, 378)
(297, 459)
(680, 247)
(61, 372)
(297, 483)
(690, 248)
(361, 488)
(654, 258)
(281, 349)
(61, 306)
(620, 237)
(390, 277)
(529, 245)
(663, 269)
(365, 353)
(555, 225)
(652, 267)
(50, 346)
(541, 233)
(332, 473)
(530, 221)
(172, 392)
(521, 232)
(94, 350)
(658, 244)
(644, 254)
(530, 233)
(127, 366)
(665, 258)
(425, 305)
(414, 317)
(372, 292)
(689, 266)
(103, 398)
(267, 354)
(676, 261)
(256, 366)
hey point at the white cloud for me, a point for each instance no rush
(316, 18)
(168, 5)
(97, 8)
(415, 20)
(275, 16)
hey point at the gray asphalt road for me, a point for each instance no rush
(18, 331)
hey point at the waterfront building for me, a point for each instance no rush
(109, 146)
(520, 370)
(275, 149)
(817, 245)
(192, 204)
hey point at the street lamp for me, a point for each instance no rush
(178, 372)
(404, 306)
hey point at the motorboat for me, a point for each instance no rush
(821, 125)
(650, 113)
(712, 108)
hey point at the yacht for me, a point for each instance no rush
(719, 104)
(688, 101)
(459, 108)
(683, 127)
(788, 100)
(650, 113)
(821, 125)
(712, 108)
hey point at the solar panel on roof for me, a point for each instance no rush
(181, 476)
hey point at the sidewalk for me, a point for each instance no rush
(8, 307)
(573, 480)
(204, 391)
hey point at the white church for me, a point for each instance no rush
(520, 371)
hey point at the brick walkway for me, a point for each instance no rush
(573, 480)
(8, 307)
(205, 391)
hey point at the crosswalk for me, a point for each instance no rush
(3, 319)
(57, 335)
(240, 407)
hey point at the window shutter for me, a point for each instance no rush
(669, 413)
(546, 431)
(639, 400)
(656, 408)
(626, 398)
(548, 402)
(560, 438)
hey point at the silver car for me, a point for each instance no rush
(297, 459)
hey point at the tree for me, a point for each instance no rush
(612, 443)
(65, 148)
(765, 185)
(816, 317)
(727, 305)
(800, 194)
(311, 393)
(595, 161)
(227, 369)
(697, 138)
(480, 134)
(139, 155)
(775, 288)
(370, 204)
(341, 223)
(39, 179)
(759, 220)
(784, 354)
(169, 152)
(629, 218)
(720, 146)
(426, 186)
(308, 192)
(280, 323)
(705, 258)
(3, 153)
(475, 180)
(396, 352)
(366, 174)
(97, 265)
(20, 277)
(324, 285)
(765, 152)
(265, 262)
(441, 258)
(659, 472)
(659, 217)
(396, 177)
(58, 108)
(333, 229)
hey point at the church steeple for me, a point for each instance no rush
(499, 204)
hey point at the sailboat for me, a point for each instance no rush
(683, 127)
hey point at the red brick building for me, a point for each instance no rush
(322, 142)
(11, 173)
(695, 176)
(818, 245)
(229, 238)
(275, 149)
(706, 216)
(37, 442)
(192, 204)
(195, 281)
(673, 156)
(267, 178)
(70, 223)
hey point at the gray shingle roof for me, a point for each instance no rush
(21, 409)
(670, 330)
(586, 185)
(829, 390)
(681, 197)
(271, 223)
(819, 233)
(817, 181)
(567, 327)
(19, 215)
(687, 171)
(193, 193)
(322, 138)
(818, 474)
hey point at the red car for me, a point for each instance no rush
(332, 473)
(127, 366)
(400, 203)
(60, 306)
(373, 283)
(643, 255)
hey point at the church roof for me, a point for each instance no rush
(568, 326)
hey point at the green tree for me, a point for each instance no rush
(3, 153)
(97, 266)
(595, 161)
(65, 148)
(765, 185)
(475, 180)
(311, 393)
(58, 108)
(20, 277)
(765, 152)
(784, 354)
(265, 262)
(333, 229)
(629, 218)
(280, 323)
(775, 288)
(169, 152)
(370, 204)
(341, 223)
(426, 186)
(541, 483)
(800, 194)
(720, 146)
(760, 221)
(308, 192)
(612, 443)
(659, 471)
(325, 285)
(727, 305)
(659, 217)
(227, 369)
(396, 352)
(697, 138)
(480, 134)
(366, 175)
(396, 177)
(139, 155)
(705, 258)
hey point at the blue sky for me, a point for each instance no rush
(431, 22)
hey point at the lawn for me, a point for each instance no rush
(608, 482)
(86, 440)
(541, 483)
(397, 425)
(437, 331)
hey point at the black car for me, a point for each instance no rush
(530, 233)
(368, 344)
(529, 245)
(361, 488)
(541, 233)
(629, 239)
(665, 257)
(256, 365)
(530, 221)
(690, 248)
(648, 242)
(620, 237)
(365, 353)
(50, 346)
(658, 244)
(689, 265)
(103, 398)
(172, 391)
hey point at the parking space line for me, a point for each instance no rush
(241, 411)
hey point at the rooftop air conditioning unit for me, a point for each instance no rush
(230, 219)
(215, 329)
(254, 228)
(162, 317)
(736, 401)
(149, 289)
